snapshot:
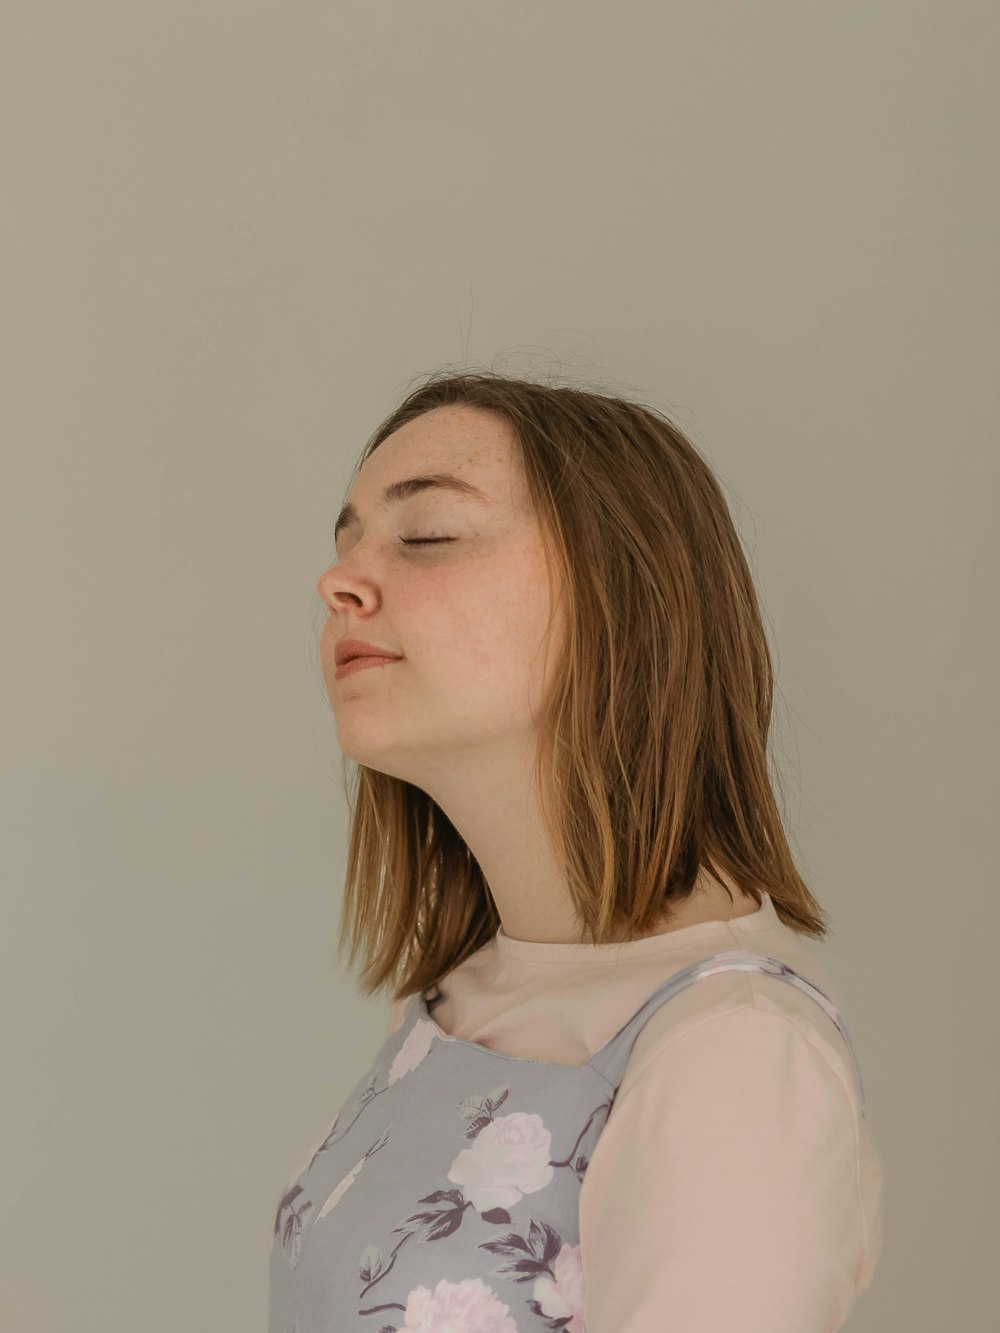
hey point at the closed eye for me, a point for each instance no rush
(424, 541)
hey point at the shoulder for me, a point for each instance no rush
(747, 1021)
(735, 1148)
(739, 1108)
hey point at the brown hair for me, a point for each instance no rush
(651, 764)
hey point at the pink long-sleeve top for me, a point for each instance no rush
(736, 1184)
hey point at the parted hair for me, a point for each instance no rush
(652, 760)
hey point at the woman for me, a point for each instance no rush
(631, 1102)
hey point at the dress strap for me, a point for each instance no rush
(611, 1059)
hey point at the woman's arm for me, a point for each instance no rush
(729, 1189)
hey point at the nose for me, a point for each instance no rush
(334, 593)
(322, 581)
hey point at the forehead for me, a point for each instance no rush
(468, 442)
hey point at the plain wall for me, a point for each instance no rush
(233, 236)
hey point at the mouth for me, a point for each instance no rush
(359, 663)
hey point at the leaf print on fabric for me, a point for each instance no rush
(478, 1111)
(348, 1180)
(556, 1269)
(288, 1223)
(509, 1158)
(418, 1042)
(434, 1224)
(458, 1307)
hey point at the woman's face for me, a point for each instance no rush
(466, 614)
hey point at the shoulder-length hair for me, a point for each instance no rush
(652, 742)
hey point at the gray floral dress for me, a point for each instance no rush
(445, 1195)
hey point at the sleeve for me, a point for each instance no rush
(723, 1192)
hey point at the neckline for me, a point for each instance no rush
(668, 941)
(440, 1034)
(595, 1058)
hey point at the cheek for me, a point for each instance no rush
(480, 643)
(486, 643)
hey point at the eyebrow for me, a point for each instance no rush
(407, 486)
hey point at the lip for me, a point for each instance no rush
(359, 664)
(348, 648)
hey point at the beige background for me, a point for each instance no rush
(232, 234)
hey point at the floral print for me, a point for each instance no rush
(492, 1171)
(510, 1158)
(459, 1306)
(502, 1158)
